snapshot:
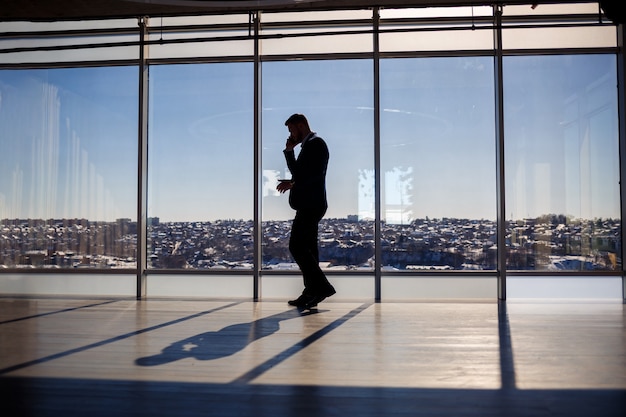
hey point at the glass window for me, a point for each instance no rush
(555, 10)
(562, 163)
(201, 166)
(317, 32)
(77, 41)
(533, 27)
(435, 13)
(337, 98)
(574, 37)
(438, 163)
(68, 168)
(69, 147)
(436, 29)
(447, 40)
(10, 27)
(201, 36)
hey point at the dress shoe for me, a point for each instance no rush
(300, 301)
(316, 299)
(330, 292)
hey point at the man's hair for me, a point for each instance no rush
(297, 118)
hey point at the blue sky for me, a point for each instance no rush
(63, 131)
(68, 138)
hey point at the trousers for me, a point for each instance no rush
(303, 245)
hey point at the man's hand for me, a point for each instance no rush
(284, 185)
(290, 144)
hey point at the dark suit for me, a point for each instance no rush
(308, 197)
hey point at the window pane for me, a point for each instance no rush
(556, 10)
(68, 167)
(562, 163)
(438, 163)
(444, 40)
(303, 32)
(436, 29)
(79, 41)
(435, 12)
(315, 44)
(589, 32)
(573, 37)
(315, 16)
(216, 36)
(9, 27)
(337, 98)
(201, 170)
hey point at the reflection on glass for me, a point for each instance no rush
(562, 163)
(337, 98)
(200, 173)
(68, 163)
(438, 164)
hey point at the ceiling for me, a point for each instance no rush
(51, 10)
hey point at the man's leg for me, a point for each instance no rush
(303, 246)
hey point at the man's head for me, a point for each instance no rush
(297, 118)
(298, 127)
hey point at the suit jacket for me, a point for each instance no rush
(308, 173)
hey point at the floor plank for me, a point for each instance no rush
(124, 357)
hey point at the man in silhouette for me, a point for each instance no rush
(307, 196)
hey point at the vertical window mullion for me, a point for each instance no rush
(142, 160)
(377, 174)
(500, 183)
(258, 238)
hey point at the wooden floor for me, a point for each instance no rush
(120, 357)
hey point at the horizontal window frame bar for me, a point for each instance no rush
(69, 33)
(262, 272)
(46, 271)
(70, 64)
(562, 274)
(560, 51)
(273, 36)
(311, 57)
(201, 60)
(545, 20)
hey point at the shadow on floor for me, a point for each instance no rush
(225, 342)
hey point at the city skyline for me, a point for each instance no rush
(547, 243)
